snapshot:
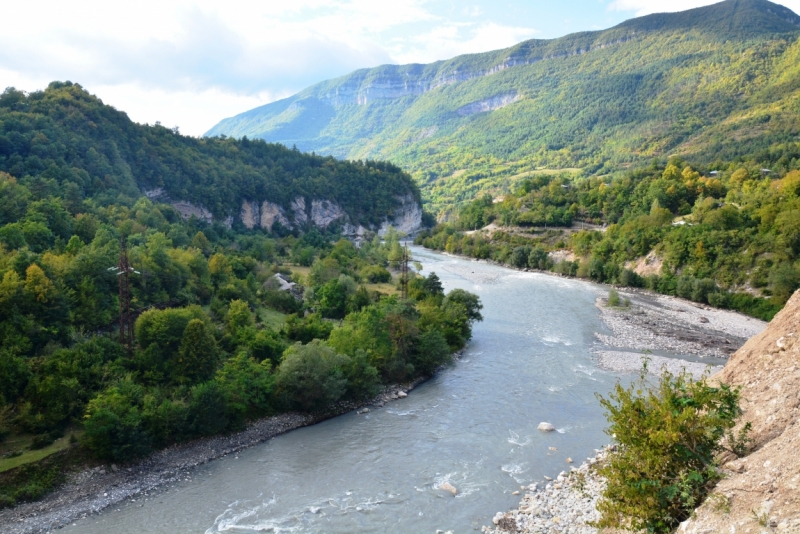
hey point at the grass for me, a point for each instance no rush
(387, 288)
(272, 319)
(299, 269)
(22, 443)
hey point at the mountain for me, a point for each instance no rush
(64, 142)
(715, 82)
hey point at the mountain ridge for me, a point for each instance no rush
(594, 101)
(524, 53)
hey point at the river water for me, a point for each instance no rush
(473, 425)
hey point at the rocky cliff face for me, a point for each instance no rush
(761, 492)
(186, 209)
(406, 217)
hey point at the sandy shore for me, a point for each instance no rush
(92, 490)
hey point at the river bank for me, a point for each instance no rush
(652, 323)
(93, 490)
(564, 505)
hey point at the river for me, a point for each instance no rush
(473, 425)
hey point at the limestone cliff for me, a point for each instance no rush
(760, 492)
(406, 217)
(186, 209)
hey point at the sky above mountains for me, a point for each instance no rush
(191, 63)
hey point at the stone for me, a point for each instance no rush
(546, 427)
(446, 486)
(569, 460)
(402, 395)
(515, 493)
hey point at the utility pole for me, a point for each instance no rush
(124, 269)
(404, 273)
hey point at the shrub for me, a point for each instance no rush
(375, 274)
(282, 301)
(668, 437)
(613, 298)
(113, 427)
(629, 278)
(307, 329)
(311, 376)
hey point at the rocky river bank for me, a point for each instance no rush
(93, 490)
(562, 506)
(649, 322)
(652, 323)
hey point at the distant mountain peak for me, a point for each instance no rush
(733, 18)
(597, 101)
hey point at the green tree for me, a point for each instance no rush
(197, 356)
(311, 377)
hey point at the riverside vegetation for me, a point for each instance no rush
(729, 239)
(217, 341)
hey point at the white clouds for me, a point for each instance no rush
(645, 7)
(191, 63)
(449, 40)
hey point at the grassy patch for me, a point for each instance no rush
(272, 319)
(21, 444)
(388, 288)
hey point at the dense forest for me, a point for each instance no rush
(718, 82)
(728, 237)
(65, 142)
(222, 336)
(218, 342)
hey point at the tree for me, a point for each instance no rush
(470, 301)
(311, 376)
(433, 285)
(197, 357)
(332, 300)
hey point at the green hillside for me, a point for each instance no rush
(65, 142)
(711, 83)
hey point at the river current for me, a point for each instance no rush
(473, 425)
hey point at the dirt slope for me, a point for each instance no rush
(761, 492)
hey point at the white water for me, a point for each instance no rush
(473, 425)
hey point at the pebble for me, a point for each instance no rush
(564, 506)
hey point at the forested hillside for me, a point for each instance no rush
(65, 142)
(231, 324)
(218, 338)
(709, 84)
(730, 239)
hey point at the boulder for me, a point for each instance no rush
(546, 427)
(402, 395)
(446, 486)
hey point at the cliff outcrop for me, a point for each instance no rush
(760, 491)
(321, 213)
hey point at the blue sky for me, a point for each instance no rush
(191, 63)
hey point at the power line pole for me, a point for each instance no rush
(124, 270)
(404, 273)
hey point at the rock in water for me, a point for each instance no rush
(546, 427)
(402, 395)
(449, 487)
